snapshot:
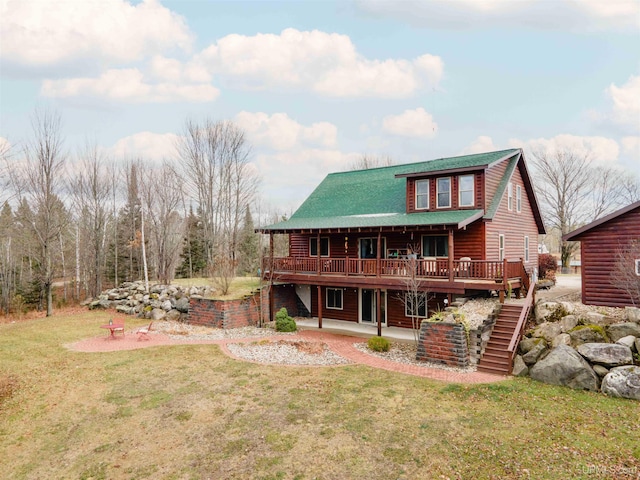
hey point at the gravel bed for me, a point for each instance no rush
(406, 353)
(179, 330)
(284, 352)
(477, 310)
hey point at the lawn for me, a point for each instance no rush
(240, 286)
(190, 412)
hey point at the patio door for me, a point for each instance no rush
(368, 306)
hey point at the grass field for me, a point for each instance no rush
(190, 412)
(240, 286)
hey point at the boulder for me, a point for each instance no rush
(628, 341)
(158, 314)
(637, 345)
(520, 369)
(123, 309)
(564, 366)
(622, 382)
(166, 305)
(600, 370)
(182, 305)
(527, 344)
(535, 353)
(596, 318)
(548, 331)
(587, 334)
(607, 354)
(562, 339)
(567, 323)
(543, 310)
(173, 315)
(618, 330)
(632, 314)
(569, 307)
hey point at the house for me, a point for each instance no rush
(464, 225)
(600, 242)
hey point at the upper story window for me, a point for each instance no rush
(422, 194)
(324, 247)
(466, 193)
(444, 192)
(510, 196)
(435, 246)
(518, 198)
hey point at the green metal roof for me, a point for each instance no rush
(376, 197)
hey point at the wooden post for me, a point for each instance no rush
(318, 252)
(271, 274)
(378, 308)
(451, 255)
(319, 306)
(378, 257)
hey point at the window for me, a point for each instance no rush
(415, 305)
(324, 247)
(518, 198)
(510, 196)
(638, 266)
(501, 247)
(435, 246)
(526, 249)
(465, 187)
(422, 194)
(334, 298)
(444, 192)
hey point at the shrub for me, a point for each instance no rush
(284, 323)
(378, 344)
(547, 266)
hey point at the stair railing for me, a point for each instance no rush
(522, 320)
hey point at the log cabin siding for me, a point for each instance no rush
(349, 310)
(470, 242)
(493, 176)
(598, 250)
(514, 226)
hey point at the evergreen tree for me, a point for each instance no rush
(248, 249)
(194, 254)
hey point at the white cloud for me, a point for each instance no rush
(175, 71)
(480, 145)
(583, 15)
(280, 132)
(40, 33)
(411, 123)
(128, 85)
(631, 145)
(599, 149)
(326, 63)
(626, 102)
(145, 145)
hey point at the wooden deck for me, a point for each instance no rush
(436, 274)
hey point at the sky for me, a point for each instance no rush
(317, 84)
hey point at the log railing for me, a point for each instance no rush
(522, 320)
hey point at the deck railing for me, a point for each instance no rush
(424, 267)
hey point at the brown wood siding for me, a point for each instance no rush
(598, 252)
(298, 245)
(514, 226)
(470, 242)
(349, 310)
(493, 176)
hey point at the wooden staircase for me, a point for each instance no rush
(497, 358)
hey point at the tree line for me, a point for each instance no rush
(88, 221)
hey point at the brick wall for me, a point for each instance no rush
(444, 343)
(283, 296)
(224, 313)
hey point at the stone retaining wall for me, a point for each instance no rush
(224, 313)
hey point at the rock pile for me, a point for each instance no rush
(589, 351)
(169, 302)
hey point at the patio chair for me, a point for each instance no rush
(119, 329)
(143, 333)
(465, 266)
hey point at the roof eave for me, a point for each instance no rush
(572, 236)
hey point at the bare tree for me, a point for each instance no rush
(625, 274)
(415, 296)
(218, 176)
(366, 160)
(40, 180)
(572, 191)
(91, 193)
(163, 197)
